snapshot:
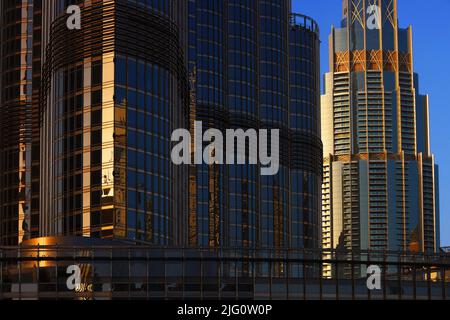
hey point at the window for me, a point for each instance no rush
(96, 73)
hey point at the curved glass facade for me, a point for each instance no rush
(114, 91)
(273, 79)
(207, 59)
(115, 105)
(255, 67)
(146, 114)
(304, 124)
(19, 51)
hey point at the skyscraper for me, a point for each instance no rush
(19, 120)
(254, 65)
(112, 93)
(304, 123)
(380, 185)
(104, 99)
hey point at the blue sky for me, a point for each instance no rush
(431, 29)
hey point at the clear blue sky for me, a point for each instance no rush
(431, 29)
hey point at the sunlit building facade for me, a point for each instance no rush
(112, 93)
(91, 150)
(255, 65)
(380, 178)
(20, 25)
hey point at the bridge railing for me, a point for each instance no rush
(128, 272)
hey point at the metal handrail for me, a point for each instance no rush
(291, 254)
(305, 22)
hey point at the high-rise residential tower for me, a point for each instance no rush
(254, 65)
(113, 91)
(380, 177)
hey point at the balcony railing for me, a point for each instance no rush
(305, 22)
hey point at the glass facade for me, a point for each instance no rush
(304, 123)
(108, 114)
(254, 65)
(86, 176)
(379, 173)
(144, 101)
(19, 125)
(110, 95)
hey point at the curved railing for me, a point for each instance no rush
(305, 22)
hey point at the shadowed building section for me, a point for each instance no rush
(254, 65)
